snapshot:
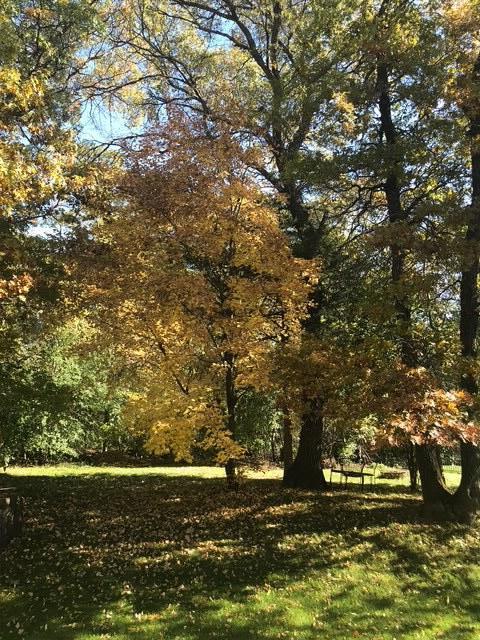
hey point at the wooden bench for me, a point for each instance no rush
(353, 470)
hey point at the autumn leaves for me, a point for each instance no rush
(197, 284)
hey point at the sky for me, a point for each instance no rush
(101, 125)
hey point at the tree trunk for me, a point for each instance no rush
(306, 471)
(467, 496)
(436, 496)
(424, 454)
(412, 467)
(231, 401)
(231, 474)
(469, 484)
(272, 447)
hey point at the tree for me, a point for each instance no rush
(270, 72)
(463, 25)
(404, 169)
(58, 399)
(42, 176)
(194, 278)
(43, 181)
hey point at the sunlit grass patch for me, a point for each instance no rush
(87, 470)
(152, 553)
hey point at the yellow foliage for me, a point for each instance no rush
(197, 283)
(16, 287)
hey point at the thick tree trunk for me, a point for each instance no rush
(436, 496)
(424, 454)
(412, 467)
(467, 497)
(306, 471)
(231, 474)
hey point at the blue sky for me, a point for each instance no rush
(101, 125)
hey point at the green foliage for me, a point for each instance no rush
(354, 440)
(31, 410)
(95, 382)
(57, 402)
(259, 424)
(44, 39)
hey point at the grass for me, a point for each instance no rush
(169, 554)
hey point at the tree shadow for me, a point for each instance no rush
(138, 556)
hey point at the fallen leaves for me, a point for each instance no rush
(165, 556)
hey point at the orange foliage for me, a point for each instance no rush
(421, 412)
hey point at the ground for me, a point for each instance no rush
(162, 553)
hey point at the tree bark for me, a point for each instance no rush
(231, 401)
(433, 486)
(436, 496)
(467, 496)
(306, 471)
(231, 474)
(412, 467)
(273, 451)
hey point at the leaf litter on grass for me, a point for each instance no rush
(145, 555)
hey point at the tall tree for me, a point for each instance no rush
(463, 29)
(38, 154)
(267, 70)
(405, 153)
(197, 282)
(42, 179)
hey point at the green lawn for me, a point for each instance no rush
(163, 553)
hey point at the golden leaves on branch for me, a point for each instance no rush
(16, 287)
(38, 158)
(424, 413)
(194, 278)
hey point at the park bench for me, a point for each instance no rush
(10, 515)
(358, 470)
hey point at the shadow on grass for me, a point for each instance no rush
(156, 556)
